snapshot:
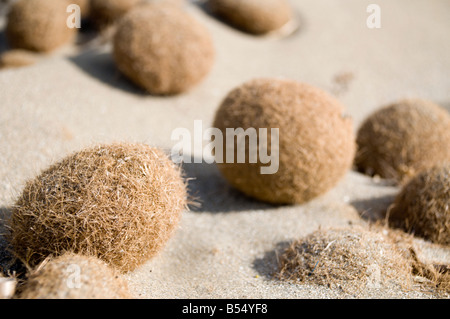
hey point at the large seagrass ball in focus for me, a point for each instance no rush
(118, 202)
(316, 141)
(39, 25)
(402, 139)
(163, 49)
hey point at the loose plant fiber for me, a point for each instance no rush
(163, 49)
(253, 16)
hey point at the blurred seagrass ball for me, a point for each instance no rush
(423, 205)
(402, 139)
(72, 276)
(163, 49)
(253, 16)
(39, 25)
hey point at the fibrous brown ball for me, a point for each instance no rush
(18, 58)
(253, 16)
(353, 258)
(107, 12)
(402, 139)
(119, 202)
(39, 25)
(72, 276)
(163, 49)
(423, 205)
(316, 142)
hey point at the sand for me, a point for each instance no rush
(226, 249)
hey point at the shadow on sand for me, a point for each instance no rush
(212, 193)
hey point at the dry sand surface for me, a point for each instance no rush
(227, 247)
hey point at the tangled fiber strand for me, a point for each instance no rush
(72, 276)
(118, 202)
(351, 259)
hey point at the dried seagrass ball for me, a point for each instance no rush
(423, 205)
(39, 25)
(316, 142)
(107, 12)
(118, 202)
(253, 16)
(73, 276)
(349, 258)
(162, 49)
(402, 139)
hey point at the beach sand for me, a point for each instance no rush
(227, 247)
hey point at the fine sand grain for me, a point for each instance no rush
(228, 247)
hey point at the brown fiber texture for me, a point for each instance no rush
(402, 139)
(39, 25)
(253, 16)
(18, 58)
(423, 205)
(72, 276)
(106, 12)
(316, 141)
(119, 202)
(162, 49)
(350, 258)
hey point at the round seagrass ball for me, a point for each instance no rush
(402, 139)
(253, 16)
(39, 25)
(119, 202)
(316, 141)
(72, 276)
(423, 205)
(162, 49)
(107, 12)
